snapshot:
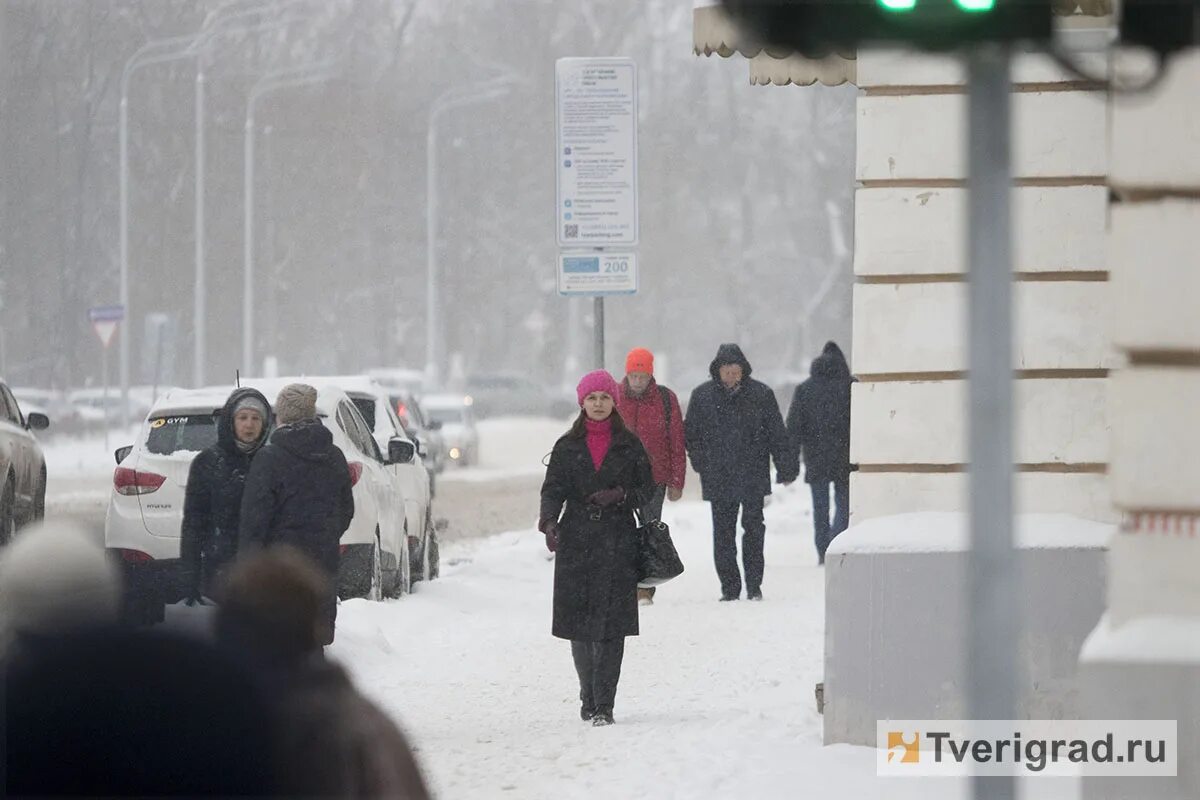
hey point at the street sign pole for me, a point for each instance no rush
(992, 563)
(596, 165)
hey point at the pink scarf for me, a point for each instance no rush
(599, 437)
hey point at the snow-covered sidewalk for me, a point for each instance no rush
(716, 699)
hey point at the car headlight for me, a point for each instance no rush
(455, 453)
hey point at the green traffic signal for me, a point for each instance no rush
(973, 6)
(970, 6)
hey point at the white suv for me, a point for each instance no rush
(373, 402)
(145, 510)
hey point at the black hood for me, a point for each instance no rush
(729, 354)
(225, 435)
(308, 440)
(831, 363)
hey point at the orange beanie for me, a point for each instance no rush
(639, 360)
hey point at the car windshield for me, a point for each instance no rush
(366, 407)
(446, 416)
(186, 432)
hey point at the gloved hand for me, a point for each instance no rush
(550, 528)
(674, 494)
(606, 497)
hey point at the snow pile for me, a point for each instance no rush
(85, 456)
(947, 532)
(1158, 639)
(716, 699)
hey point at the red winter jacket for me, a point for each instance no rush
(663, 440)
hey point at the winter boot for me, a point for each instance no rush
(754, 594)
(602, 718)
(586, 712)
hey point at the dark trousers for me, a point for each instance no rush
(599, 667)
(725, 516)
(822, 532)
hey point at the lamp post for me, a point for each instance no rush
(448, 101)
(304, 75)
(161, 51)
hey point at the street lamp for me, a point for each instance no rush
(304, 75)
(157, 52)
(448, 101)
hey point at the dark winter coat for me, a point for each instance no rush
(299, 493)
(212, 502)
(337, 743)
(596, 564)
(819, 418)
(733, 435)
(662, 437)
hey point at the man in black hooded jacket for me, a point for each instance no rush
(212, 502)
(733, 430)
(299, 491)
(819, 424)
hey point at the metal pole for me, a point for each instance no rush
(431, 236)
(598, 328)
(993, 625)
(123, 143)
(104, 403)
(199, 307)
(248, 247)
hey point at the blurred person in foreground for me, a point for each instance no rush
(598, 474)
(651, 411)
(334, 742)
(299, 492)
(212, 502)
(54, 578)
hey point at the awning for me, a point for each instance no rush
(714, 32)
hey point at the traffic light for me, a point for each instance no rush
(1162, 25)
(814, 27)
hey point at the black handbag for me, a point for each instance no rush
(658, 560)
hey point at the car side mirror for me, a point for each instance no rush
(401, 451)
(123, 452)
(37, 421)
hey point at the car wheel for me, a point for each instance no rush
(39, 499)
(375, 592)
(8, 511)
(434, 560)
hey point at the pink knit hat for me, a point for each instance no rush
(598, 381)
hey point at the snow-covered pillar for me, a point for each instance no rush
(1143, 660)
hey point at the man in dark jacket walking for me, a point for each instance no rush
(299, 492)
(734, 428)
(819, 424)
(212, 502)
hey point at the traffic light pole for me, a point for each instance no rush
(992, 565)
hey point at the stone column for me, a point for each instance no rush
(1143, 659)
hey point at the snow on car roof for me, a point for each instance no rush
(209, 398)
(444, 401)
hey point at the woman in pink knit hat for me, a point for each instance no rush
(598, 474)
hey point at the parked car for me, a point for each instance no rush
(50, 402)
(512, 394)
(425, 432)
(374, 404)
(410, 380)
(145, 510)
(22, 466)
(97, 408)
(456, 413)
